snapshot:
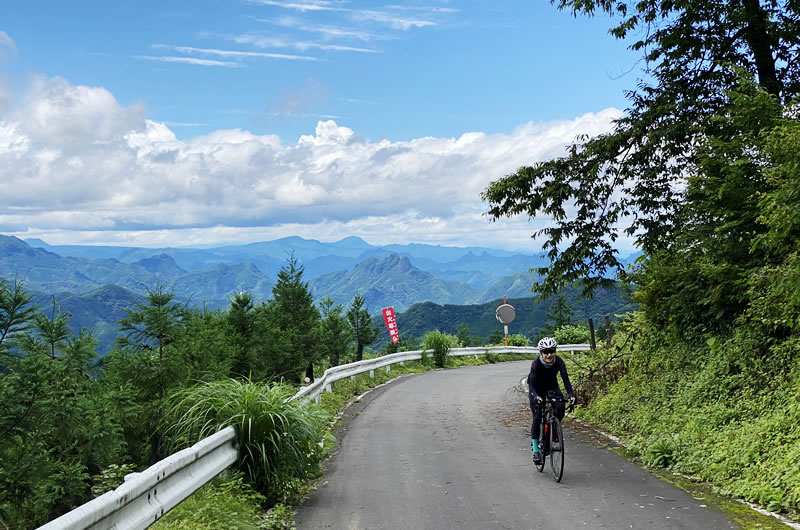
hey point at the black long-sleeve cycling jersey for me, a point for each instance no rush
(542, 378)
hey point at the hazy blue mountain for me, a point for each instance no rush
(80, 251)
(443, 254)
(483, 270)
(392, 281)
(214, 287)
(326, 264)
(45, 272)
(513, 286)
(162, 266)
(479, 267)
(40, 269)
(186, 258)
(471, 274)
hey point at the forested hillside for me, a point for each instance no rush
(703, 169)
(531, 315)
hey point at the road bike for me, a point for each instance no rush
(551, 436)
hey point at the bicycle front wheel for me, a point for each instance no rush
(556, 449)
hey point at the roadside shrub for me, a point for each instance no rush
(518, 339)
(280, 440)
(571, 334)
(441, 344)
(225, 502)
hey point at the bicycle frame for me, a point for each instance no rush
(550, 430)
(548, 413)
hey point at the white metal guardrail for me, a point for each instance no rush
(336, 373)
(145, 497)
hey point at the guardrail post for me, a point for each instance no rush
(328, 388)
(353, 378)
(372, 373)
(387, 368)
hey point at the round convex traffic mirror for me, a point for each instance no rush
(505, 313)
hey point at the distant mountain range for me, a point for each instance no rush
(397, 275)
(94, 283)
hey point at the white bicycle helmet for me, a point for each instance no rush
(549, 344)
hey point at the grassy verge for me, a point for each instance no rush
(701, 410)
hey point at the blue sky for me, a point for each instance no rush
(187, 123)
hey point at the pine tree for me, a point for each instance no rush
(364, 333)
(336, 335)
(290, 325)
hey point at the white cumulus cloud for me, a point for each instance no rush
(78, 167)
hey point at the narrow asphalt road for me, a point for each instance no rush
(451, 449)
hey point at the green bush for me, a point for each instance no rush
(279, 439)
(441, 344)
(518, 339)
(571, 334)
(227, 502)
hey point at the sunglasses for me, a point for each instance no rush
(549, 351)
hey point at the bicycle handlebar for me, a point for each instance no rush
(548, 399)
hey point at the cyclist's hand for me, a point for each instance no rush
(538, 400)
(572, 401)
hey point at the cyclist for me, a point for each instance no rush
(541, 382)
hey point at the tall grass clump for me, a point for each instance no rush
(441, 344)
(280, 440)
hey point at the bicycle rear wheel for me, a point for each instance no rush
(556, 449)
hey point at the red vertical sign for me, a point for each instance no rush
(391, 324)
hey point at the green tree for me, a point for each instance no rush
(155, 324)
(571, 334)
(560, 314)
(16, 312)
(518, 339)
(464, 338)
(148, 360)
(496, 337)
(289, 326)
(629, 180)
(241, 318)
(54, 329)
(58, 426)
(462, 334)
(336, 337)
(205, 350)
(364, 333)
